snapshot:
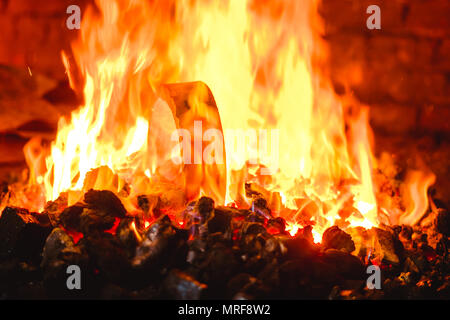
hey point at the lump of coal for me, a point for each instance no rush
(107, 255)
(86, 219)
(181, 286)
(387, 246)
(11, 224)
(443, 222)
(416, 262)
(253, 228)
(291, 275)
(92, 220)
(344, 263)
(58, 254)
(406, 233)
(259, 206)
(196, 252)
(335, 238)
(238, 282)
(56, 276)
(220, 264)
(253, 289)
(270, 275)
(21, 236)
(30, 242)
(205, 207)
(70, 217)
(126, 236)
(163, 245)
(253, 244)
(220, 222)
(106, 201)
(56, 242)
(43, 219)
(298, 247)
(160, 227)
(306, 233)
(255, 217)
(54, 208)
(277, 225)
(273, 247)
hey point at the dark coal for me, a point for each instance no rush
(259, 206)
(224, 253)
(344, 263)
(57, 242)
(220, 222)
(11, 225)
(59, 253)
(388, 246)
(181, 286)
(253, 228)
(93, 220)
(30, 242)
(70, 218)
(127, 236)
(335, 238)
(53, 209)
(205, 207)
(107, 256)
(406, 233)
(163, 245)
(443, 222)
(219, 265)
(55, 277)
(106, 201)
(298, 248)
(255, 217)
(278, 224)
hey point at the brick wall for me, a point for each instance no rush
(403, 70)
(33, 33)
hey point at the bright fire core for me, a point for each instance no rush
(263, 61)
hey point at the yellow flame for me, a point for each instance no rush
(261, 60)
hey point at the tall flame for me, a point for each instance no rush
(261, 60)
(116, 55)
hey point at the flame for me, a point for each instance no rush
(262, 61)
(136, 233)
(115, 55)
(416, 196)
(257, 57)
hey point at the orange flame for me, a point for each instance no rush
(261, 60)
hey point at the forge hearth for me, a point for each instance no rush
(244, 150)
(219, 252)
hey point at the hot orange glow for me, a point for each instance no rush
(416, 198)
(261, 60)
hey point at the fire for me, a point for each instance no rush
(262, 61)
